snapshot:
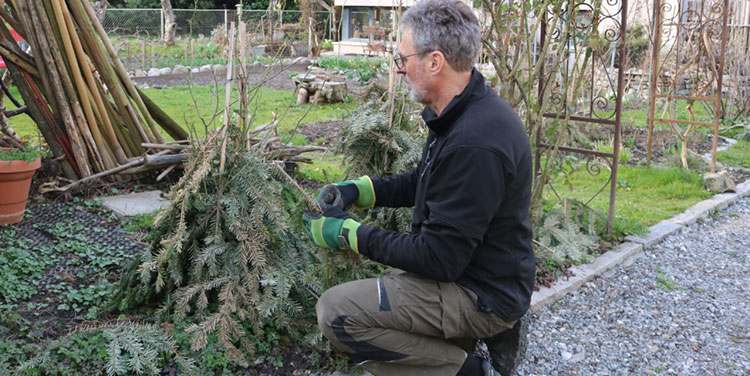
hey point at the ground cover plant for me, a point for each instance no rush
(58, 267)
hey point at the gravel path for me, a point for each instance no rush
(682, 308)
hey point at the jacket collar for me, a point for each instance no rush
(440, 124)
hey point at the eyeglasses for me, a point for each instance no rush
(400, 61)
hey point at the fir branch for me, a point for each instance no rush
(220, 233)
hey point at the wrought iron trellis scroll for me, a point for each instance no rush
(593, 106)
(691, 33)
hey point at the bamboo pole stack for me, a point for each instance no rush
(76, 89)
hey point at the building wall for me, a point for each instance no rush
(373, 3)
(350, 6)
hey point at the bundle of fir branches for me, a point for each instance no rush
(567, 232)
(229, 252)
(380, 140)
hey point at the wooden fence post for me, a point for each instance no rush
(145, 56)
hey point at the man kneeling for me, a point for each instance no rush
(467, 267)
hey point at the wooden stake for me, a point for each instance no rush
(230, 77)
(144, 60)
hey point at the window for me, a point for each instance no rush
(384, 18)
(359, 19)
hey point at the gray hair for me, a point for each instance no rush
(449, 26)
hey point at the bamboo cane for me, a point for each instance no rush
(81, 86)
(164, 120)
(79, 116)
(46, 124)
(10, 20)
(133, 115)
(98, 120)
(123, 139)
(45, 51)
(24, 16)
(17, 60)
(130, 139)
(10, 45)
(108, 132)
(121, 71)
(107, 74)
(45, 127)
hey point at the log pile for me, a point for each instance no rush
(320, 89)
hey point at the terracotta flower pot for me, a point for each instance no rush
(15, 181)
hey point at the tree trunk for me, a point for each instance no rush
(170, 26)
(100, 8)
(332, 11)
(307, 21)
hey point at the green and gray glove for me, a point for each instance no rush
(332, 229)
(357, 192)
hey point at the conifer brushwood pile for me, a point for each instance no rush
(76, 89)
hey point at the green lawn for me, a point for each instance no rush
(638, 118)
(198, 113)
(737, 155)
(178, 102)
(645, 196)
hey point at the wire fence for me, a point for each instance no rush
(201, 35)
(149, 23)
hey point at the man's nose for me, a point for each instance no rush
(400, 70)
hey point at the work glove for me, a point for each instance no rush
(332, 229)
(358, 192)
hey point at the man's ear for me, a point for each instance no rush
(437, 62)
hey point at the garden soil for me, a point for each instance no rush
(275, 77)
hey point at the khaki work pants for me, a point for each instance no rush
(404, 324)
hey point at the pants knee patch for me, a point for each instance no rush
(362, 350)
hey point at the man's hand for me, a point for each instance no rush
(358, 192)
(332, 229)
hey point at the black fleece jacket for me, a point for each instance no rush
(470, 193)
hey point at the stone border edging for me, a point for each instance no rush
(626, 252)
